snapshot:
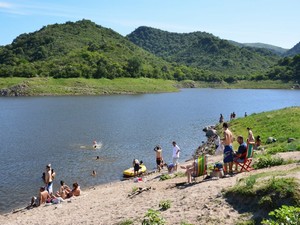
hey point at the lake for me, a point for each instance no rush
(36, 131)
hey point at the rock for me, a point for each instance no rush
(210, 133)
(291, 140)
(271, 140)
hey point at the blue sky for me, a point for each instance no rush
(273, 22)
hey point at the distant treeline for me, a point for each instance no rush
(85, 49)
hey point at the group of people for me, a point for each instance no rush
(234, 157)
(175, 157)
(46, 194)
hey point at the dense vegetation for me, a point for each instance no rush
(82, 49)
(86, 50)
(287, 69)
(203, 50)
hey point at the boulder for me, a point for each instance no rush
(291, 140)
(270, 140)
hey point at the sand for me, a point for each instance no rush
(198, 203)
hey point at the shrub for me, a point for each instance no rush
(165, 204)
(266, 161)
(153, 217)
(165, 177)
(284, 215)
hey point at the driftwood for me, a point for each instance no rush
(138, 191)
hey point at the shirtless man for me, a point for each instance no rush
(48, 179)
(44, 195)
(76, 190)
(159, 159)
(228, 151)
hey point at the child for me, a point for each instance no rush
(136, 166)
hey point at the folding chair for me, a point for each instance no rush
(246, 165)
(200, 168)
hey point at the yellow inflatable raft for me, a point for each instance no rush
(130, 172)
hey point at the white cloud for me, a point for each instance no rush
(5, 5)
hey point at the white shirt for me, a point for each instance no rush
(176, 151)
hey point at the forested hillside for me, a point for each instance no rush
(287, 69)
(87, 50)
(203, 50)
(84, 49)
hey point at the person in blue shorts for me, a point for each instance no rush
(228, 151)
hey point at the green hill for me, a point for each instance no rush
(293, 51)
(275, 49)
(203, 50)
(287, 69)
(80, 49)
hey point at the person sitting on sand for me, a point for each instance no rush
(189, 171)
(170, 167)
(64, 190)
(76, 189)
(43, 196)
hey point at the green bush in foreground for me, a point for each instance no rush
(284, 215)
(153, 217)
(265, 161)
(164, 177)
(165, 204)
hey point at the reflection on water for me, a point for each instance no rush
(36, 131)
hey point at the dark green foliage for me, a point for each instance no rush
(265, 161)
(205, 51)
(284, 215)
(82, 49)
(286, 69)
(251, 195)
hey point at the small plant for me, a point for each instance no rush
(164, 177)
(165, 204)
(185, 223)
(250, 181)
(126, 222)
(284, 215)
(134, 189)
(153, 217)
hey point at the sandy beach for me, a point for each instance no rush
(198, 203)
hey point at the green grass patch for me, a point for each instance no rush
(280, 124)
(82, 86)
(260, 193)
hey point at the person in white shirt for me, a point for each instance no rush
(176, 152)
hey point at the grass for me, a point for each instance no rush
(260, 193)
(280, 124)
(80, 86)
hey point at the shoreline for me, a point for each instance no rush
(201, 202)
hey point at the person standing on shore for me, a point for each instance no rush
(221, 120)
(176, 152)
(49, 179)
(159, 158)
(228, 151)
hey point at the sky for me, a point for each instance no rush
(274, 22)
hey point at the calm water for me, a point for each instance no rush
(36, 131)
